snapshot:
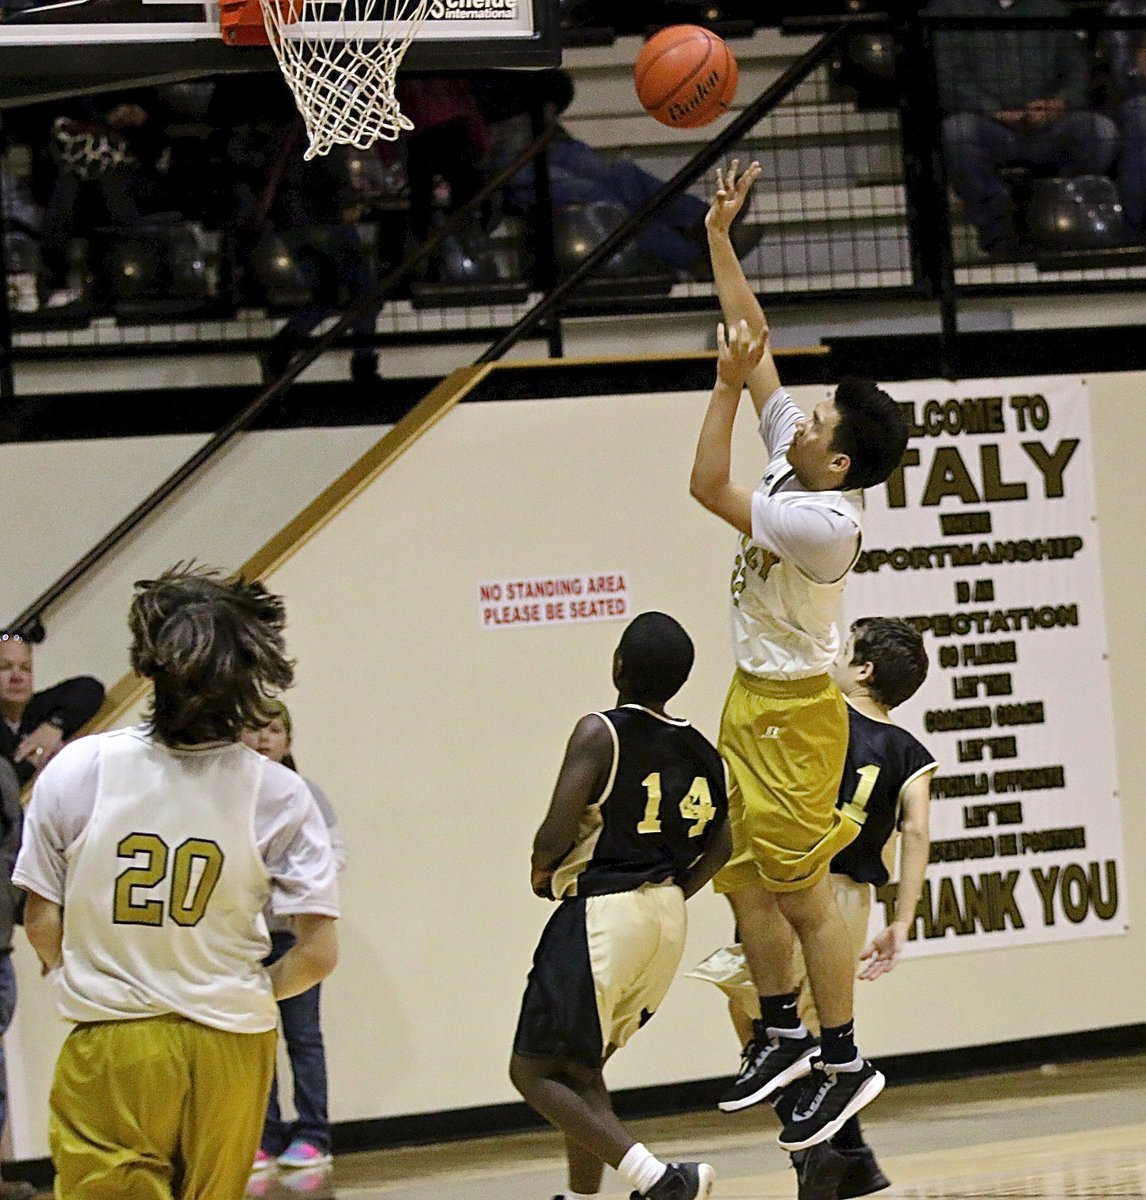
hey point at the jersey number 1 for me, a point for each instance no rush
(696, 806)
(196, 867)
(856, 808)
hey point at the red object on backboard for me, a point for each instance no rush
(241, 22)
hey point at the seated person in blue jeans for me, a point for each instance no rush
(1013, 96)
(1126, 53)
(11, 820)
(581, 174)
(306, 1141)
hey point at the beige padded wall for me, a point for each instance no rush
(438, 743)
(470, 726)
(76, 491)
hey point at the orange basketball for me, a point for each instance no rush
(686, 76)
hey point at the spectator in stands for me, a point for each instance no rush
(23, 224)
(581, 174)
(314, 208)
(11, 819)
(445, 159)
(104, 153)
(1013, 96)
(1126, 54)
(450, 144)
(35, 725)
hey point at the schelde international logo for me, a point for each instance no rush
(473, 10)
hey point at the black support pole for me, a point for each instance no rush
(925, 179)
(7, 378)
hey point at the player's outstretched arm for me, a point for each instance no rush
(588, 760)
(882, 954)
(738, 354)
(738, 301)
(44, 925)
(310, 960)
(716, 854)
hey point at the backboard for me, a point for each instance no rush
(55, 48)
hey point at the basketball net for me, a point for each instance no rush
(341, 59)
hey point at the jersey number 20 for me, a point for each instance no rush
(195, 869)
(696, 806)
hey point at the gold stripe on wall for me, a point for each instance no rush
(361, 474)
(126, 693)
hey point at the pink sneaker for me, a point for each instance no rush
(301, 1153)
(260, 1184)
(262, 1161)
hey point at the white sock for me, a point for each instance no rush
(801, 1031)
(639, 1169)
(569, 1194)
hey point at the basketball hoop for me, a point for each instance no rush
(341, 59)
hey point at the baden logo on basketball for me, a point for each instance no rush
(680, 110)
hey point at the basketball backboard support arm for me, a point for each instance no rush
(52, 52)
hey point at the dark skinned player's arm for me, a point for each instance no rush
(588, 760)
(715, 855)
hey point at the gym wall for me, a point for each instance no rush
(438, 740)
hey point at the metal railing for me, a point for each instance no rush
(936, 273)
(548, 304)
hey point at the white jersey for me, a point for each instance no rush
(163, 861)
(788, 577)
(337, 845)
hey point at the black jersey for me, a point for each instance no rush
(664, 799)
(882, 760)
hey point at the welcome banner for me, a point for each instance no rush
(986, 539)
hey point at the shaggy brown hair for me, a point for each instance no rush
(213, 647)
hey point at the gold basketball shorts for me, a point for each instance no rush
(160, 1105)
(785, 742)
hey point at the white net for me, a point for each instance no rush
(341, 58)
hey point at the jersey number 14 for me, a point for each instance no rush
(696, 806)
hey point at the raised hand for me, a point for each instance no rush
(731, 192)
(738, 353)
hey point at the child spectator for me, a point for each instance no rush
(306, 1142)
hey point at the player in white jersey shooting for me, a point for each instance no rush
(784, 730)
(887, 777)
(148, 857)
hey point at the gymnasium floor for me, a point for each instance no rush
(1077, 1130)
